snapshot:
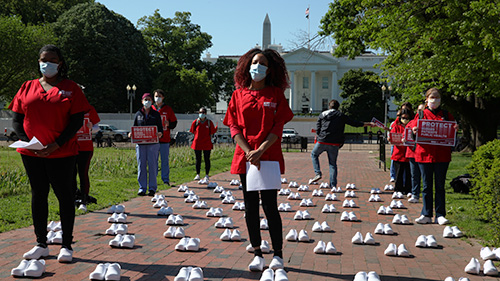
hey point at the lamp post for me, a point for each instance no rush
(131, 96)
(385, 97)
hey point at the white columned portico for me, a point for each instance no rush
(292, 90)
(313, 90)
(335, 93)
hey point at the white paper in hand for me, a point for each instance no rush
(34, 144)
(268, 177)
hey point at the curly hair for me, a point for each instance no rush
(278, 75)
(63, 70)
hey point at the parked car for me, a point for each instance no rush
(110, 131)
(183, 138)
(290, 135)
(10, 134)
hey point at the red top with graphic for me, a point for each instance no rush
(409, 151)
(46, 114)
(167, 114)
(256, 114)
(399, 151)
(90, 119)
(426, 153)
(203, 132)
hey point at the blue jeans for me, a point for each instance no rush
(165, 167)
(332, 152)
(147, 160)
(415, 178)
(436, 172)
(392, 170)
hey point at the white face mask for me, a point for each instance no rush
(49, 69)
(147, 103)
(433, 103)
(158, 99)
(258, 72)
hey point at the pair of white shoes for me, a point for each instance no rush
(277, 275)
(321, 227)
(474, 267)
(118, 217)
(174, 232)
(318, 192)
(449, 278)
(165, 211)
(349, 203)
(306, 203)
(375, 198)
(225, 193)
(106, 271)
(239, 206)
(350, 194)
(227, 235)
(218, 189)
(425, 220)
(322, 248)
(182, 188)
(398, 195)
(191, 198)
(237, 182)
(54, 226)
(350, 186)
(160, 203)
(358, 239)
(428, 241)
(29, 268)
(385, 210)
(336, 190)
(189, 274)
(363, 276)
(123, 241)
(401, 219)
(284, 191)
(383, 229)
(284, 207)
(214, 212)
(490, 254)
(389, 187)
(264, 225)
(157, 197)
(117, 228)
(375, 190)
(116, 209)
(284, 180)
(452, 232)
(228, 200)
(264, 247)
(36, 252)
(324, 185)
(302, 215)
(54, 237)
(188, 244)
(293, 184)
(303, 188)
(175, 220)
(328, 209)
(399, 251)
(294, 196)
(348, 216)
(203, 180)
(331, 197)
(224, 223)
(200, 205)
(397, 204)
(257, 264)
(302, 236)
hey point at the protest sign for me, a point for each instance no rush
(436, 132)
(144, 134)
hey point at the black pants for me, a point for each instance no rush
(270, 205)
(206, 156)
(58, 173)
(403, 176)
(82, 169)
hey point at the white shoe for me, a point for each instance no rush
(280, 275)
(263, 224)
(332, 208)
(360, 276)
(197, 178)
(396, 219)
(193, 244)
(346, 203)
(357, 238)
(179, 232)
(128, 241)
(373, 276)
(316, 227)
(276, 263)
(490, 269)
(344, 216)
(165, 211)
(388, 210)
(235, 236)
(228, 223)
(391, 250)
(423, 220)
(292, 235)
(113, 272)
(298, 215)
(473, 267)
(226, 235)
(178, 220)
(264, 247)
(19, 270)
(449, 278)
(120, 209)
(369, 240)
(325, 227)
(487, 254)
(379, 229)
(447, 232)
(405, 220)
(170, 232)
(181, 246)
(303, 236)
(320, 248)
(431, 241)
(442, 220)
(388, 229)
(402, 251)
(267, 275)
(421, 241)
(288, 207)
(250, 249)
(99, 272)
(325, 209)
(381, 210)
(115, 242)
(82, 207)
(35, 268)
(456, 232)
(413, 199)
(36, 253)
(121, 218)
(399, 205)
(210, 212)
(257, 264)
(352, 216)
(183, 274)
(65, 255)
(330, 248)
(57, 238)
(196, 274)
(306, 215)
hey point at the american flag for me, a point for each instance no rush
(307, 13)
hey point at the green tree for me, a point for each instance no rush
(176, 46)
(105, 52)
(362, 95)
(221, 73)
(451, 45)
(20, 44)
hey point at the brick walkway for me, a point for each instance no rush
(154, 257)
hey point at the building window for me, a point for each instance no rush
(324, 83)
(305, 82)
(324, 104)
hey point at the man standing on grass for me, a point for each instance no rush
(330, 138)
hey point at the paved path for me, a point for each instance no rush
(154, 257)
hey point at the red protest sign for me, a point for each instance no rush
(436, 132)
(396, 138)
(84, 134)
(409, 141)
(144, 134)
(379, 124)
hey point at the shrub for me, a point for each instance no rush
(485, 171)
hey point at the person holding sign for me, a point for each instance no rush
(410, 155)
(433, 161)
(203, 129)
(169, 121)
(85, 152)
(147, 152)
(51, 110)
(256, 115)
(400, 162)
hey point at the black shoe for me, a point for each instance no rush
(167, 183)
(151, 193)
(141, 193)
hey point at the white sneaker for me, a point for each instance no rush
(442, 220)
(197, 178)
(276, 263)
(421, 241)
(65, 255)
(257, 264)
(320, 248)
(423, 220)
(490, 269)
(292, 235)
(391, 250)
(473, 267)
(357, 238)
(36, 253)
(456, 232)
(402, 251)
(448, 232)
(369, 240)
(330, 248)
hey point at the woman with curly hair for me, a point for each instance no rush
(256, 116)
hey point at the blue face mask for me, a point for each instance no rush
(258, 72)
(49, 69)
(201, 115)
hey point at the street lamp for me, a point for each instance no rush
(131, 96)
(385, 97)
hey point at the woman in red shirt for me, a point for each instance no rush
(401, 163)
(51, 109)
(203, 129)
(256, 114)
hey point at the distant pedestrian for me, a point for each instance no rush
(379, 136)
(203, 130)
(370, 136)
(98, 138)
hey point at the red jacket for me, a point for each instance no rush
(202, 134)
(256, 114)
(426, 153)
(409, 150)
(166, 113)
(399, 151)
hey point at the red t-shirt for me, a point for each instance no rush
(85, 144)
(256, 114)
(46, 114)
(426, 153)
(166, 113)
(202, 134)
(399, 151)
(409, 152)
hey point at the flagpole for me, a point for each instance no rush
(309, 27)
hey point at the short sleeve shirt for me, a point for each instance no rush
(167, 113)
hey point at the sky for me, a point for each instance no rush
(235, 25)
